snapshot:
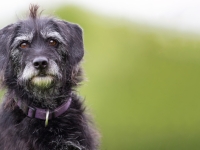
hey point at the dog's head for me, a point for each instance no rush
(40, 53)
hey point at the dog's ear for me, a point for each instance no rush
(74, 38)
(6, 36)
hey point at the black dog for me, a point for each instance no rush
(40, 68)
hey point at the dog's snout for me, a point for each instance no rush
(40, 62)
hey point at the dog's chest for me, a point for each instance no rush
(56, 138)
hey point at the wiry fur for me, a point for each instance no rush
(71, 131)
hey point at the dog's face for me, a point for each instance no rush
(37, 50)
(41, 54)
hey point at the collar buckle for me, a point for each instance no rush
(47, 118)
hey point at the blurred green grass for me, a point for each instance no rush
(143, 83)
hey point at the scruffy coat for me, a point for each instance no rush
(70, 131)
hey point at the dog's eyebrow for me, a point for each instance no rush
(22, 37)
(52, 34)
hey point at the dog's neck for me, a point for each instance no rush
(47, 102)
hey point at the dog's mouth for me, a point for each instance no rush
(42, 81)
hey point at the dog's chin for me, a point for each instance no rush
(42, 82)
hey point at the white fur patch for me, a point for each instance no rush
(24, 37)
(29, 72)
(43, 82)
(54, 69)
(52, 34)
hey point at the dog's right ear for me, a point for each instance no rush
(6, 36)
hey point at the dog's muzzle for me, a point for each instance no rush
(41, 72)
(42, 79)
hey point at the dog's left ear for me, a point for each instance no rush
(73, 36)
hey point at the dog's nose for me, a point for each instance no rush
(40, 62)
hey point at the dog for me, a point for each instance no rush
(40, 61)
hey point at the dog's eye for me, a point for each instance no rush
(52, 42)
(24, 45)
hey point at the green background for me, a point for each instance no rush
(142, 83)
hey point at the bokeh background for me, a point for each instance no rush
(143, 75)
